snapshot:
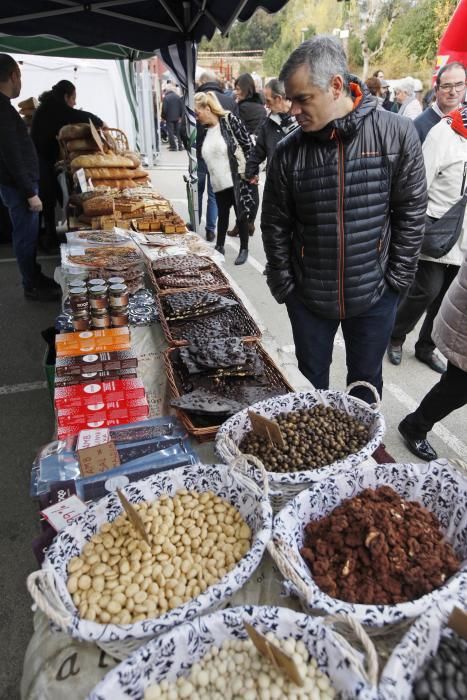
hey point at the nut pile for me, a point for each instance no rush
(313, 438)
(195, 539)
(237, 671)
(445, 675)
(378, 549)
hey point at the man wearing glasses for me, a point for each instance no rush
(449, 94)
(433, 277)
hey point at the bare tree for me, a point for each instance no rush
(366, 15)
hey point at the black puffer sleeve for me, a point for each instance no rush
(276, 224)
(408, 208)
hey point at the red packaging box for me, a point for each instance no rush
(99, 392)
(71, 430)
(121, 411)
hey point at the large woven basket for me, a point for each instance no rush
(437, 486)
(48, 585)
(283, 487)
(174, 330)
(352, 674)
(274, 376)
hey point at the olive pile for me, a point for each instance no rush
(445, 675)
(313, 438)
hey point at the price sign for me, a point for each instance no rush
(61, 513)
(458, 622)
(97, 459)
(133, 516)
(96, 137)
(266, 428)
(279, 659)
(81, 177)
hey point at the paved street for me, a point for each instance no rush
(27, 417)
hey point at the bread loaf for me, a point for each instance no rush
(114, 173)
(101, 160)
(134, 157)
(74, 131)
(82, 145)
(98, 206)
(30, 104)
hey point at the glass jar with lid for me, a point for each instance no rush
(78, 298)
(98, 298)
(100, 318)
(118, 295)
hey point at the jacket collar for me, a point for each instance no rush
(345, 127)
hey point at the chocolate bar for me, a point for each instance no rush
(95, 362)
(73, 379)
(97, 393)
(100, 413)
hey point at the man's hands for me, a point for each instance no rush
(254, 180)
(35, 203)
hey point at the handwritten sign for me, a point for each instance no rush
(279, 659)
(133, 516)
(91, 438)
(458, 622)
(267, 428)
(98, 458)
(61, 513)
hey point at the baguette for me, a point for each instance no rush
(101, 160)
(114, 173)
(134, 157)
(116, 184)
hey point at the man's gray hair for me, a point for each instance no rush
(406, 85)
(323, 55)
(276, 86)
(208, 76)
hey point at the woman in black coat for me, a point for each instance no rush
(56, 109)
(252, 113)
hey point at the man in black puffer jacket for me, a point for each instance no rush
(343, 215)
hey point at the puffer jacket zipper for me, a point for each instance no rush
(340, 223)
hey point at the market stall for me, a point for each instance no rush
(192, 501)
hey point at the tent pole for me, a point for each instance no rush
(192, 180)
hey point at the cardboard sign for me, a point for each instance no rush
(279, 659)
(96, 137)
(458, 622)
(268, 429)
(62, 513)
(97, 459)
(133, 516)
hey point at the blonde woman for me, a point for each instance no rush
(224, 134)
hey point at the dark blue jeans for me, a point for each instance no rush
(366, 337)
(211, 210)
(25, 225)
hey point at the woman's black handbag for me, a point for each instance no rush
(443, 233)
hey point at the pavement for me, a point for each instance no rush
(27, 420)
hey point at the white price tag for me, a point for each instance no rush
(92, 438)
(60, 514)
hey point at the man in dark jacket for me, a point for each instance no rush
(172, 112)
(19, 182)
(208, 82)
(277, 124)
(343, 215)
(450, 93)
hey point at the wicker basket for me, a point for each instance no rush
(173, 330)
(283, 487)
(274, 376)
(437, 486)
(221, 282)
(352, 674)
(48, 585)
